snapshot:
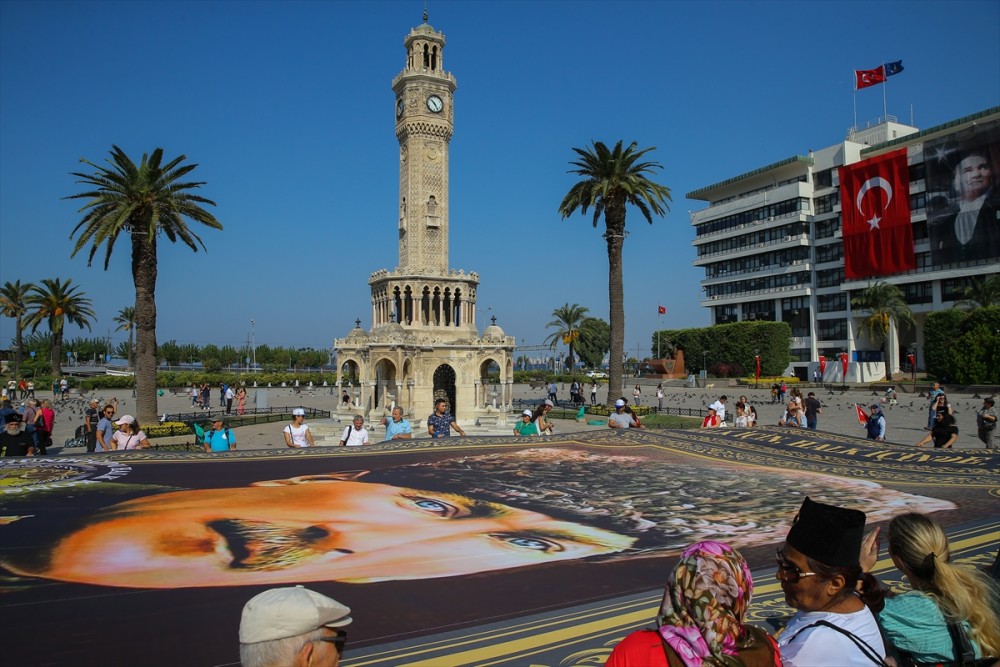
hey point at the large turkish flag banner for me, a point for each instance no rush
(875, 212)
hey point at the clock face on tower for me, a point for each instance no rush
(399, 107)
(434, 104)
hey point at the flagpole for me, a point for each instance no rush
(854, 74)
(885, 82)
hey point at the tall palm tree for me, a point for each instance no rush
(13, 304)
(982, 293)
(567, 324)
(54, 302)
(887, 310)
(613, 179)
(125, 319)
(145, 201)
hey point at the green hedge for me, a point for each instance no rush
(730, 347)
(167, 379)
(963, 346)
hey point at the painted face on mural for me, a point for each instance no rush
(311, 529)
(973, 177)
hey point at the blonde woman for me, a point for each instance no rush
(916, 622)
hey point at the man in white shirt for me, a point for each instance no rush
(356, 434)
(720, 409)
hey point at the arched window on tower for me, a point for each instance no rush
(457, 306)
(434, 58)
(408, 301)
(425, 307)
(427, 57)
(397, 304)
(446, 308)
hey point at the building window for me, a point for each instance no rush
(835, 329)
(831, 303)
(831, 252)
(826, 204)
(918, 202)
(823, 179)
(826, 229)
(829, 277)
(756, 215)
(917, 172)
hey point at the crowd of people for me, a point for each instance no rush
(843, 617)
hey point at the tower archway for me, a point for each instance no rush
(444, 387)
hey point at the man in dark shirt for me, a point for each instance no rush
(90, 417)
(14, 441)
(440, 423)
(944, 433)
(812, 408)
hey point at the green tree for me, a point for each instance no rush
(54, 302)
(145, 201)
(169, 352)
(567, 325)
(887, 310)
(13, 304)
(211, 358)
(982, 293)
(125, 319)
(594, 341)
(612, 180)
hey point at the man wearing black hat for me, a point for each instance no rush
(14, 441)
(819, 568)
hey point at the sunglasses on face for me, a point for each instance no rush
(338, 641)
(787, 571)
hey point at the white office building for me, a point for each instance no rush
(771, 244)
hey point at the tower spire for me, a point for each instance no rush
(425, 11)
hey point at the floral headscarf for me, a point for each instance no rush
(706, 598)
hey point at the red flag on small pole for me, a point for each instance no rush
(822, 365)
(661, 310)
(757, 359)
(862, 415)
(843, 364)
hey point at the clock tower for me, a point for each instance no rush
(424, 344)
(424, 96)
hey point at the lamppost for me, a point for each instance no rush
(756, 368)
(253, 345)
(704, 361)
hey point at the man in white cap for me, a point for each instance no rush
(292, 627)
(621, 418)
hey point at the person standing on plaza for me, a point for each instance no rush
(221, 438)
(28, 417)
(750, 410)
(875, 428)
(23, 388)
(593, 392)
(90, 425)
(241, 400)
(552, 391)
(44, 422)
(194, 395)
(105, 428)
(14, 441)
(355, 435)
(782, 390)
(206, 397)
(637, 395)
(659, 397)
(622, 418)
(222, 394)
(720, 409)
(297, 434)
(31, 388)
(986, 421)
(63, 389)
(812, 408)
(525, 426)
(129, 435)
(440, 423)
(397, 428)
(932, 396)
(229, 396)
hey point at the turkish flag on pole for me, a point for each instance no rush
(843, 364)
(875, 210)
(822, 365)
(862, 415)
(661, 310)
(868, 77)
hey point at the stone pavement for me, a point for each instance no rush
(905, 421)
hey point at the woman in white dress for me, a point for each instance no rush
(297, 434)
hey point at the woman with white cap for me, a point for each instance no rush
(525, 426)
(129, 435)
(540, 418)
(297, 434)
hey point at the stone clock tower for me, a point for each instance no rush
(424, 343)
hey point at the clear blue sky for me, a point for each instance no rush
(288, 110)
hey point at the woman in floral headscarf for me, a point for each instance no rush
(701, 617)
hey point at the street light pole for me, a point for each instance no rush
(253, 345)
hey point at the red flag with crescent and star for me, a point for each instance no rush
(875, 212)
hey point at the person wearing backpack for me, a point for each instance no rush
(220, 438)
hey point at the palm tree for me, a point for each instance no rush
(144, 201)
(612, 180)
(887, 309)
(54, 302)
(13, 304)
(982, 293)
(125, 319)
(567, 324)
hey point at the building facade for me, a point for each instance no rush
(424, 343)
(771, 241)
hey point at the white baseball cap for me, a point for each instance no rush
(280, 613)
(526, 413)
(619, 403)
(298, 412)
(126, 419)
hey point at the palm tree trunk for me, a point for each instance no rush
(57, 339)
(144, 276)
(18, 347)
(131, 347)
(614, 219)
